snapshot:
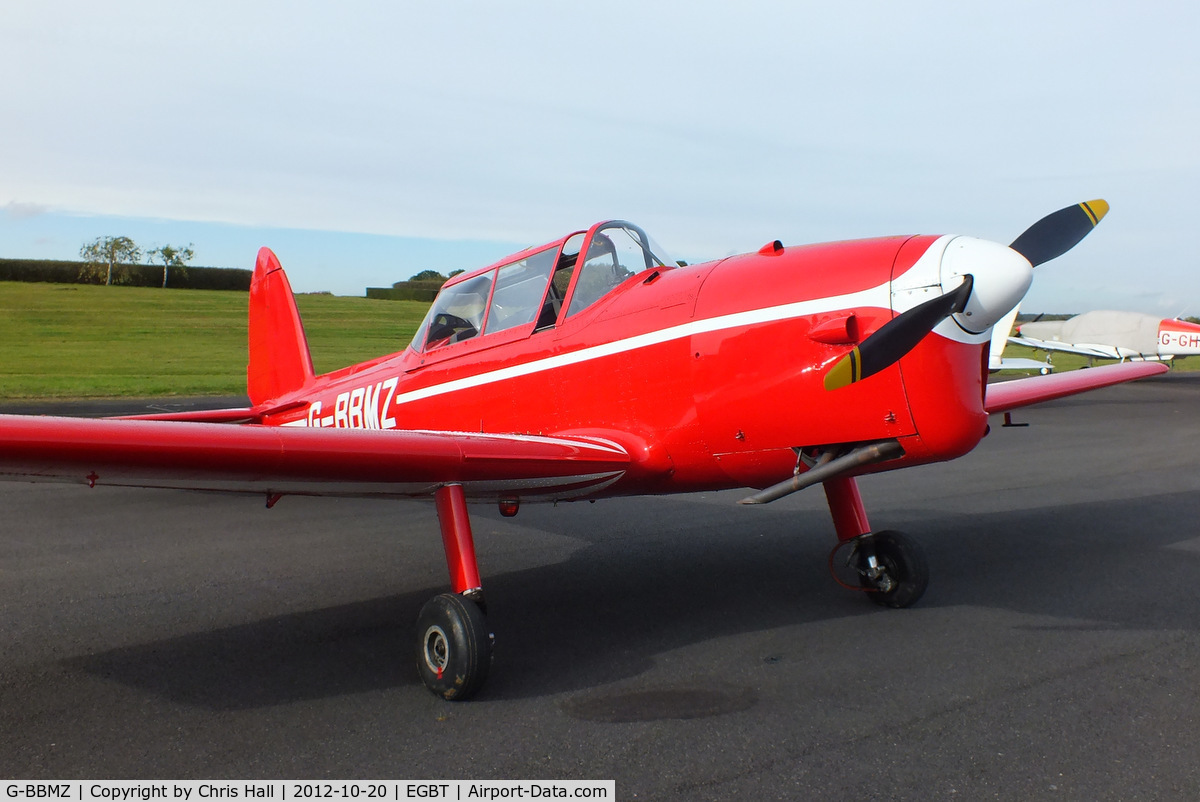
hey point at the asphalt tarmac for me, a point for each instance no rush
(686, 647)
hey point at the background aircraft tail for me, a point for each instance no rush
(280, 362)
(1000, 334)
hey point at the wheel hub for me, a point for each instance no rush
(877, 574)
(437, 649)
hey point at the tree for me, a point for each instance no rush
(111, 252)
(170, 256)
(428, 275)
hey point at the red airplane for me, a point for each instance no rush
(595, 366)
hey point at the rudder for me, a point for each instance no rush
(280, 362)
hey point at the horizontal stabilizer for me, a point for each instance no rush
(235, 415)
(1020, 363)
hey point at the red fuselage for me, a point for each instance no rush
(710, 376)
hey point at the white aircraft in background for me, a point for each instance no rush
(1000, 336)
(1112, 335)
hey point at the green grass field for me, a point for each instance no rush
(79, 341)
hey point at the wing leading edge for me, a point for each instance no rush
(1008, 395)
(279, 460)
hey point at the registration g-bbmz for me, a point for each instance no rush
(39, 791)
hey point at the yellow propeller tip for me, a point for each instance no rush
(845, 372)
(1096, 209)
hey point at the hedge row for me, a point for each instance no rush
(402, 294)
(62, 272)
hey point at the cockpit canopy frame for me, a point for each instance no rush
(540, 287)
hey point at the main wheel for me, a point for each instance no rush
(454, 646)
(899, 575)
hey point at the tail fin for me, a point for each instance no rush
(279, 359)
(1000, 333)
(996, 360)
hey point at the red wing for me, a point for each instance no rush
(1006, 395)
(271, 459)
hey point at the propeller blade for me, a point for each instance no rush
(896, 338)
(1057, 233)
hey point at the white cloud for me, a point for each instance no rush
(24, 211)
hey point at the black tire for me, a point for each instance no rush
(454, 646)
(903, 561)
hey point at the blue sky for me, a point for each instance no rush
(367, 141)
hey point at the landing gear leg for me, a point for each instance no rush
(454, 643)
(890, 565)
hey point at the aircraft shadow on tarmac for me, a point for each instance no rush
(606, 613)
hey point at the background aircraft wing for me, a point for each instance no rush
(1066, 348)
(286, 460)
(1006, 395)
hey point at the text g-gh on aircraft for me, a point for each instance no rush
(595, 366)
